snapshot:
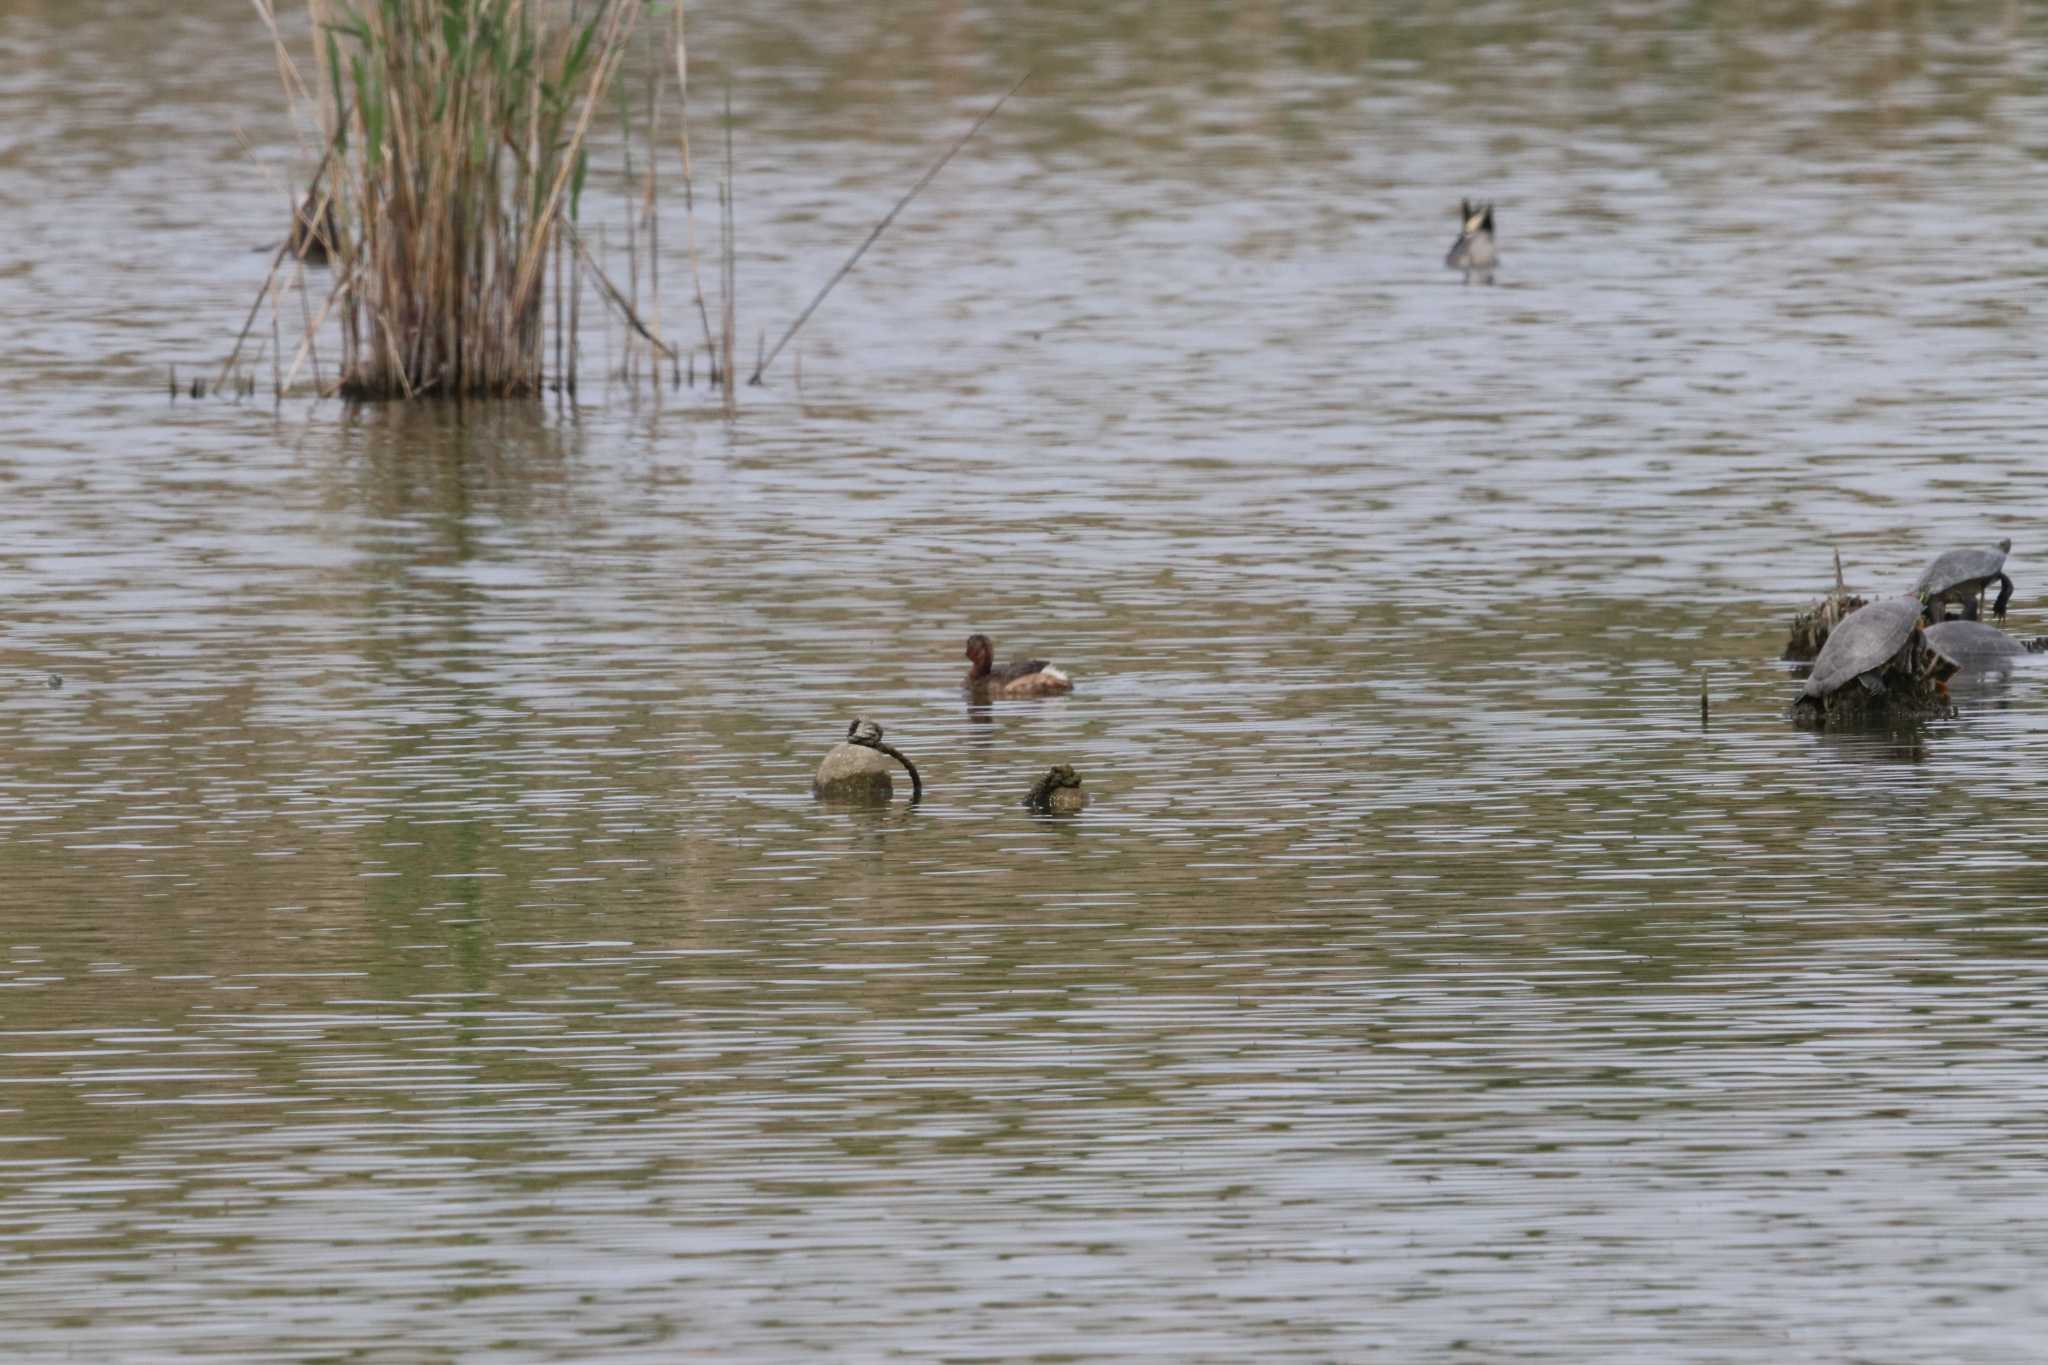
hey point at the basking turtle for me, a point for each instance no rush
(1961, 576)
(1973, 644)
(856, 771)
(1882, 649)
(1057, 793)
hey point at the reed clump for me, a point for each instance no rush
(455, 158)
(451, 167)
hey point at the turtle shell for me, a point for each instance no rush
(1973, 640)
(1866, 638)
(1954, 569)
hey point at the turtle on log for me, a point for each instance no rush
(1877, 664)
(1961, 576)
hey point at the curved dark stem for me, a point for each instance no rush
(916, 782)
(2004, 596)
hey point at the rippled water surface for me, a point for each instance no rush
(417, 938)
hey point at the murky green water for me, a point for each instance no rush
(417, 940)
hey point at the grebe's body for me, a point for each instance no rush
(1474, 251)
(1018, 679)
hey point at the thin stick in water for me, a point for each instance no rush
(883, 226)
(729, 321)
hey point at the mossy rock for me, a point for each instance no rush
(854, 772)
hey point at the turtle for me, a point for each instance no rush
(1866, 644)
(1057, 793)
(1474, 251)
(1973, 644)
(1961, 576)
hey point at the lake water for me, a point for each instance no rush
(417, 938)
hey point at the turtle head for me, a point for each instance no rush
(1057, 776)
(2005, 546)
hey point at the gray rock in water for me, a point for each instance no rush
(854, 772)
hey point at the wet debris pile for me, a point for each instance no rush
(1810, 629)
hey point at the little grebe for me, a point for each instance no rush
(1017, 679)
(1474, 251)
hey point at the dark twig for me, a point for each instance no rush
(882, 227)
(868, 735)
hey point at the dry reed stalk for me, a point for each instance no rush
(575, 315)
(689, 185)
(729, 246)
(650, 211)
(628, 373)
(276, 351)
(558, 308)
(277, 260)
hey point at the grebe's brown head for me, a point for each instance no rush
(980, 653)
(1063, 775)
